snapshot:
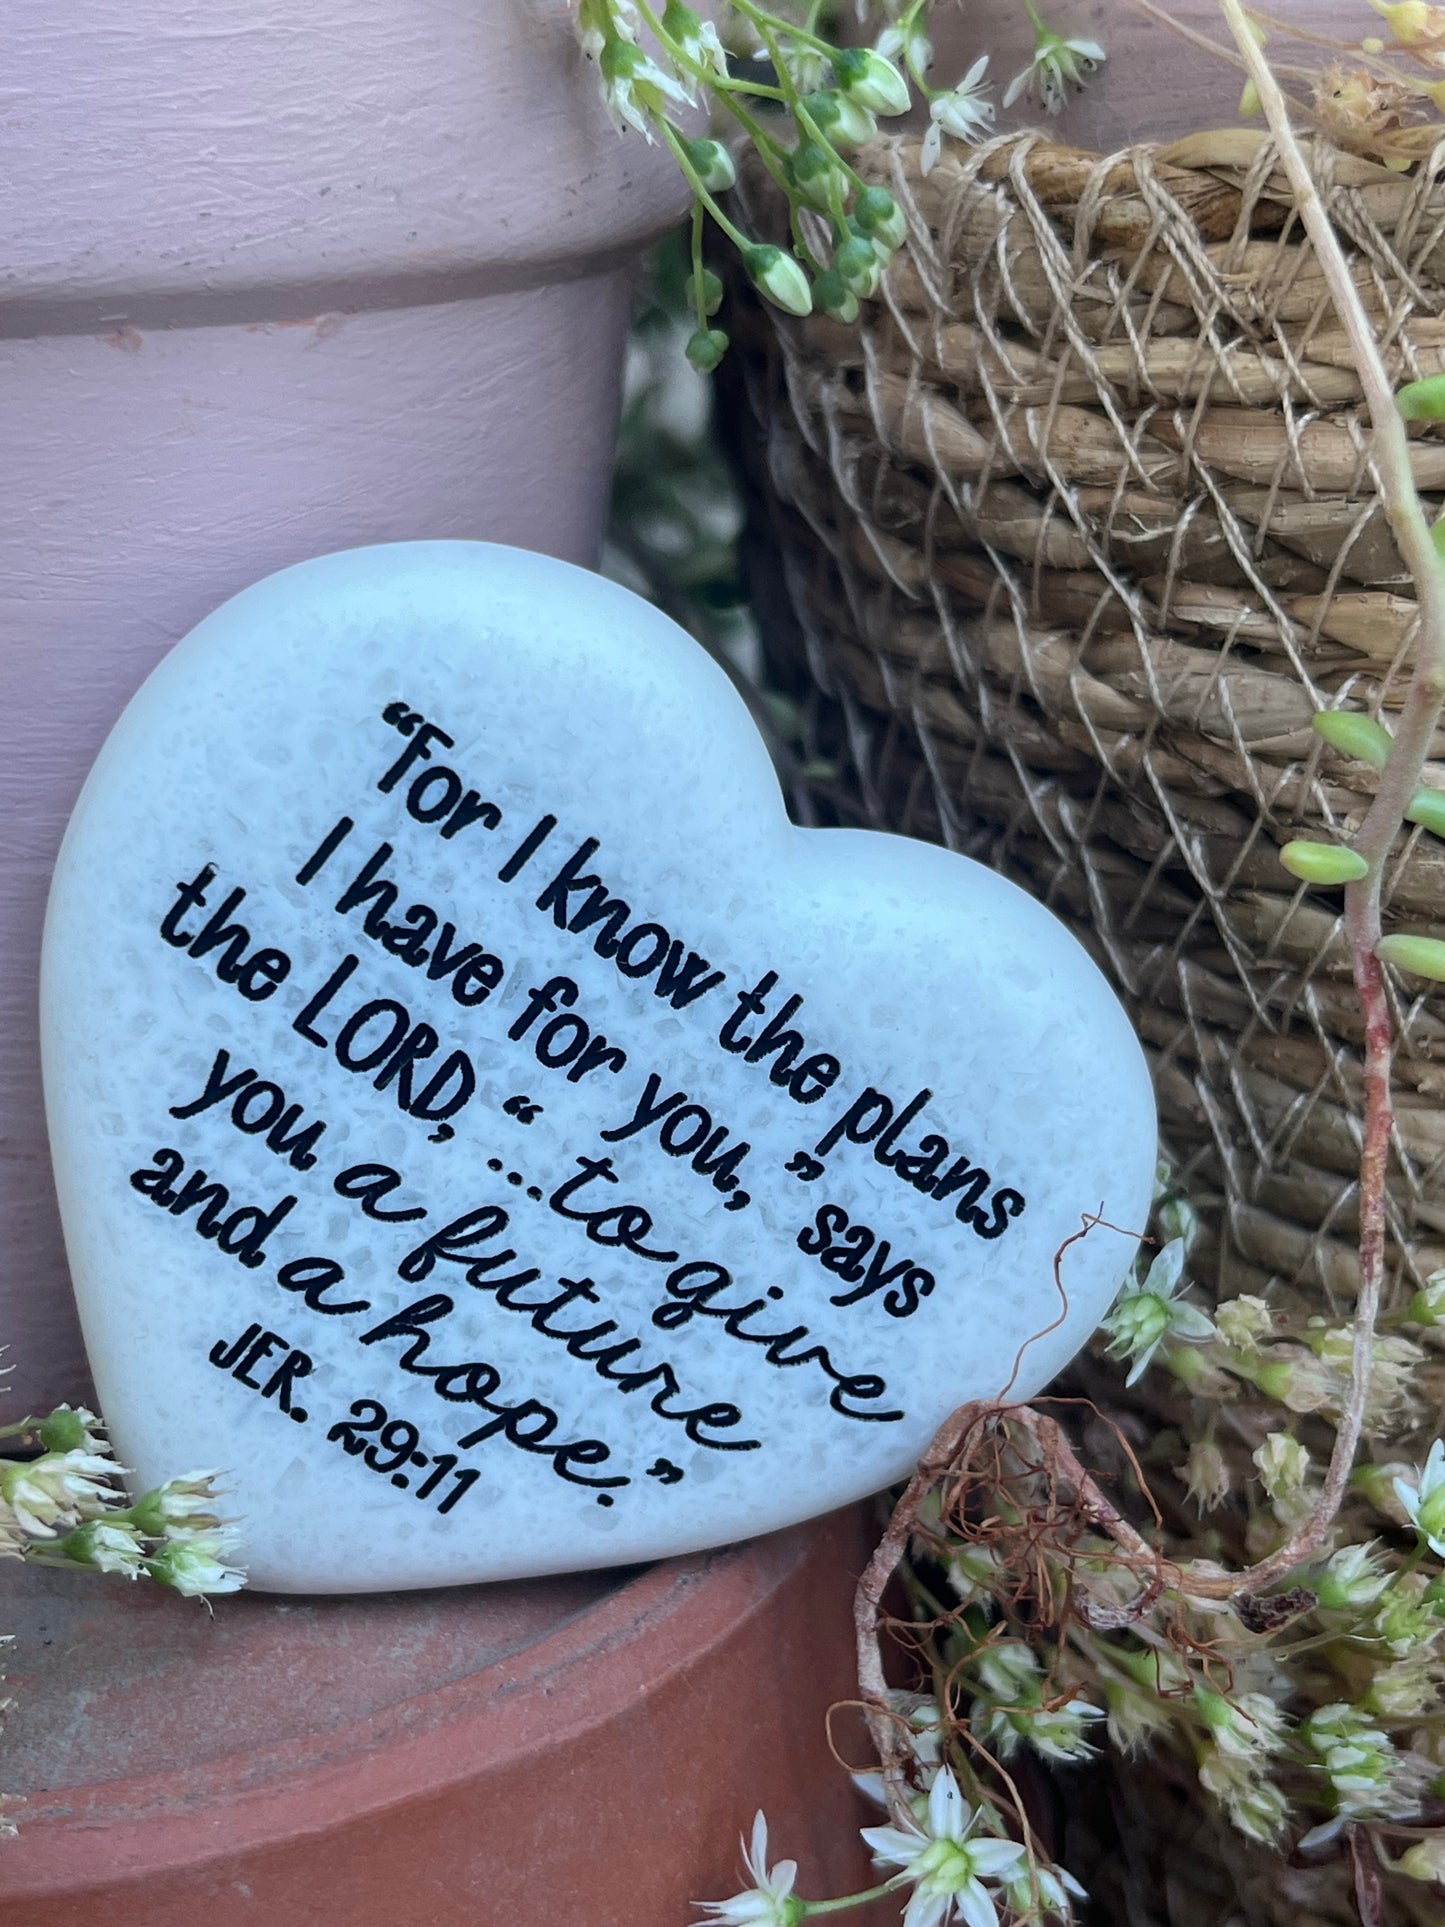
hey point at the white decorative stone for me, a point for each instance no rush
(494, 1136)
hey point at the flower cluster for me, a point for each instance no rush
(1010, 1707)
(805, 104)
(65, 1508)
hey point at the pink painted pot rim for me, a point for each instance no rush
(673, 1617)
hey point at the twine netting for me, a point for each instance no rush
(1074, 532)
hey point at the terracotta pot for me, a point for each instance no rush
(574, 1750)
(1154, 85)
(276, 280)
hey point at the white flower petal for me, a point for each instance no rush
(1167, 1269)
(1188, 1321)
(755, 1852)
(948, 1813)
(891, 1845)
(995, 1858)
(1409, 1498)
(975, 1905)
(927, 1909)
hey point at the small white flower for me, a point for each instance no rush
(913, 48)
(1283, 1465)
(599, 21)
(697, 38)
(105, 1547)
(1410, 1614)
(1244, 1321)
(973, 1573)
(179, 1508)
(1010, 1709)
(770, 1901)
(1253, 1802)
(1149, 1310)
(1351, 1579)
(197, 1565)
(636, 90)
(1057, 64)
(1368, 1777)
(946, 1866)
(965, 111)
(808, 69)
(59, 1489)
(1424, 1500)
(1246, 1727)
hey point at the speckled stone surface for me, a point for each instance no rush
(497, 1139)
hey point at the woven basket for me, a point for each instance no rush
(1077, 530)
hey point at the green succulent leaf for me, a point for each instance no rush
(1421, 956)
(1427, 808)
(1323, 863)
(1355, 735)
(1422, 401)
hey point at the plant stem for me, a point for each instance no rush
(694, 180)
(1398, 782)
(812, 1908)
(769, 26)
(699, 269)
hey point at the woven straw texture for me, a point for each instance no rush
(1077, 530)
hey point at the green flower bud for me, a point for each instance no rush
(834, 297)
(1355, 735)
(712, 292)
(875, 83)
(880, 216)
(814, 172)
(779, 277)
(1295, 1380)
(1427, 807)
(68, 1429)
(1422, 401)
(714, 165)
(845, 121)
(1421, 956)
(1323, 863)
(706, 349)
(856, 262)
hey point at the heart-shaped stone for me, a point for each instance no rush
(494, 1136)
